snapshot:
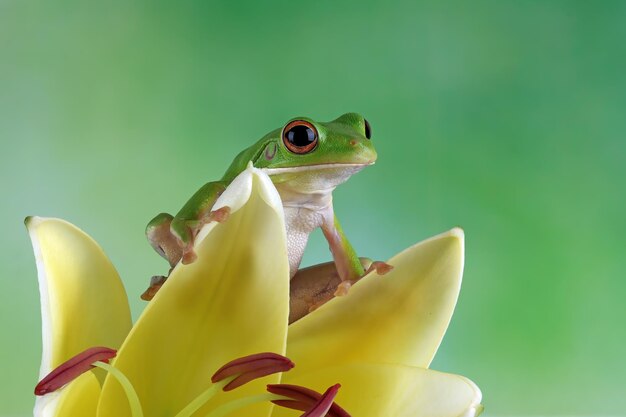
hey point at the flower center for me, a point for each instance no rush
(230, 376)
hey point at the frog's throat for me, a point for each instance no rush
(304, 168)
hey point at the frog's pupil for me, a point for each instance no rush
(300, 136)
(368, 129)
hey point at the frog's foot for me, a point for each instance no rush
(343, 288)
(155, 285)
(220, 215)
(187, 230)
(189, 255)
(380, 267)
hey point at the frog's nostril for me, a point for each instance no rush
(353, 142)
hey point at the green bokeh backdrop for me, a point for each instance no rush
(504, 117)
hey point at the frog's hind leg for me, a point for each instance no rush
(313, 286)
(162, 240)
(166, 245)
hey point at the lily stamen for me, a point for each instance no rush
(252, 367)
(299, 398)
(322, 406)
(73, 368)
(235, 374)
(93, 357)
(229, 407)
(127, 386)
(313, 403)
(230, 376)
(203, 398)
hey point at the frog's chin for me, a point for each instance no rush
(297, 184)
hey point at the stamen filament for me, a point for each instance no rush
(131, 394)
(229, 407)
(205, 396)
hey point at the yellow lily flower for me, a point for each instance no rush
(233, 301)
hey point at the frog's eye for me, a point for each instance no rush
(300, 136)
(368, 129)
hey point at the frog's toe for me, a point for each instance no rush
(155, 285)
(220, 215)
(343, 288)
(380, 267)
(189, 255)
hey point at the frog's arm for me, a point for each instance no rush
(195, 213)
(172, 237)
(347, 262)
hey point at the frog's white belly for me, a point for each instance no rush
(304, 212)
(306, 193)
(299, 223)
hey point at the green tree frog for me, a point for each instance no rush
(306, 160)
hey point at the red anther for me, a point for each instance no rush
(312, 402)
(322, 406)
(251, 367)
(73, 368)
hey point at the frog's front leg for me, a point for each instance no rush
(349, 267)
(194, 214)
(165, 244)
(172, 237)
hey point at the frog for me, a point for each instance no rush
(306, 160)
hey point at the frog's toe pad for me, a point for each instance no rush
(189, 256)
(343, 288)
(220, 215)
(380, 267)
(155, 285)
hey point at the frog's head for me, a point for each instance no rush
(303, 142)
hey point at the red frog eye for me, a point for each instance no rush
(300, 136)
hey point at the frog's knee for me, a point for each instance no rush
(184, 232)
(161, 220)
(158, 230)
(181, 231)
(161, 239)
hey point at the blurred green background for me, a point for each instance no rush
(505, 117)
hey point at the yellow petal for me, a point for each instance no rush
(232, 301)
(79, 398)
(83, 302)
(375, 390)
(397, 318)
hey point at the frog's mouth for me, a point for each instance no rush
(352, 168)
(308, 179)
